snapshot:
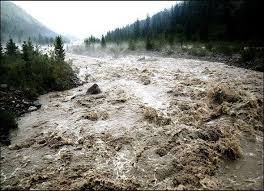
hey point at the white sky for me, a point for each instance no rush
(83, 18)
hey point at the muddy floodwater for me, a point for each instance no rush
(159, 123)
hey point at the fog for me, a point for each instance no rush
(84, 18)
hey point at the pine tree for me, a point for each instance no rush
(103, 43)
(1, 51)
(51, 40)
(27, 50)
(2, 68)
(11, 48)
(27, 55)
(136, 30)
(30, 46)
(58, 49)
(24, 51)
(149, 44)
(131, 45)
(180, 33)
(147, 26)
(86, 42)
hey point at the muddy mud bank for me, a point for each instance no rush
(158, 123)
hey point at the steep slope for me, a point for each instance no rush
(19, 25)
(198, 21)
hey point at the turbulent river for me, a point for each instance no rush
(152, 127)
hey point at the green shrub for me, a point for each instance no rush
(131, 45)
(209, 46)
(149, 44)
(197, 52)
(169, 52)
(37, 73)
(62, 75)
(248, 54)
(224, 49)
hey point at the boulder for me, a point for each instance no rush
(18, 92)
(94, 89)
(32, 108)
(3, 86)
(146, 82)
(93, 116)
(141, 58)
(37, 104)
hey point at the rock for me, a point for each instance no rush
(37, 104)
(41, 141)
(32, 108)
(221, 93)
(25, 102)
(18, 92)
(184, 106)
(94, 89)
(57, 141)
(104, 115)
(78, 148)
(152, 115)
(12, 89)
(142, 58)
(73, 97)
(119, 100)
(48, 157)
(118, 147)
(101, 96)
(209, 135)
(65, 156)
(161, 152)
(14, 147)
(146, 82)
(80, 140)
(3, 86)
(93, 116)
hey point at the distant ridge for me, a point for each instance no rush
(19, 25)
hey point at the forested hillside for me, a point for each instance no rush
(198, 21)
(19, 25)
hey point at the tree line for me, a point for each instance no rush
(93, 40)
(206, 20)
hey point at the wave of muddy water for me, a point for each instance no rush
(105, 141)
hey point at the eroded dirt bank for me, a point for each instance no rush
(160, 123)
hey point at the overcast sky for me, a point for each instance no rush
(83, 18)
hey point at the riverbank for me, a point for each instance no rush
(15, 102)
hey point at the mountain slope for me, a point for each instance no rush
(199, 21)
(19, 25)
